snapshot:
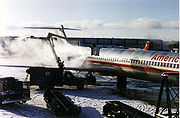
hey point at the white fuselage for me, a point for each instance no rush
(138, 64)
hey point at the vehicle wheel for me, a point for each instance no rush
(43, 85)
(68, 75)
(91, 80)
(69, 78)
(80, 85)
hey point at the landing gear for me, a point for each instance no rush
(121, 84)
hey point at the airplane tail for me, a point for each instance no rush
(146, 46)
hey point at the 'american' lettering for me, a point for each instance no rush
(157, 57)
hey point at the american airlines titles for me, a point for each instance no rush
(157, 57)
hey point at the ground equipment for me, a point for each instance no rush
(13, 90)
(59, 104)
(47, 78)
(116, 109)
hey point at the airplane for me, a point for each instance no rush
(134, 63)
(139, 64)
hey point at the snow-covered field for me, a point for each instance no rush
(92, 99)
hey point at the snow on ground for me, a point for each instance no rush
(92, 99)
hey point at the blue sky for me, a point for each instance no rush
(97, 18)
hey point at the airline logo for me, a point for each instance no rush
(157, 57)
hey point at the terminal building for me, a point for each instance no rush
(125, 43)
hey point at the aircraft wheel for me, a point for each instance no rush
(122, 84)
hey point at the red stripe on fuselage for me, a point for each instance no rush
(133, 66)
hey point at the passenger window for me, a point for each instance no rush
(149, 62)
(131, 61)
(144, 62)
(161, 64)
(170, 66)
(152, 63)
(158, 63)
(177, 66)
(155, 63)
(167, 64)
(164, 64)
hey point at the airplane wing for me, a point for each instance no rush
(18, 66)
(109, 71)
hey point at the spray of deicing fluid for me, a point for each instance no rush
(38, 52)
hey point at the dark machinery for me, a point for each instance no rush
(116, 109)
(61, 105)
(50, 77)
(171, 99)
(12, 91)
(47, 78)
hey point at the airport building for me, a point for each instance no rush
(125, 43)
